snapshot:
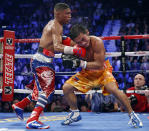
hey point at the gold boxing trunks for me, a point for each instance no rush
(85, 80)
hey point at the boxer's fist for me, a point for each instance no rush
(79, 51)
(66, 40)
(70, 61)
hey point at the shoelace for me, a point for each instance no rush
(68, 117)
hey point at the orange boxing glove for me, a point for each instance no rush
(66, 40)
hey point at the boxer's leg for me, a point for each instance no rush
(19, 107)
(33, 122)
(45, 81)
(71, 98)
(113, 89)
(134, 119)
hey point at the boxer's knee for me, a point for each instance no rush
(47, 95)
(111, 88)
(67, 88)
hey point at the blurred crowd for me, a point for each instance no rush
(28, 17)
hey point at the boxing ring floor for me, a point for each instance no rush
(90, 122)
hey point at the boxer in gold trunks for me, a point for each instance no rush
(96, 72)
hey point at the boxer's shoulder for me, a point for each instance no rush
(95, 42)
(95, 38)
(52, 26)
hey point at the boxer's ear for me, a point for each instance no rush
(87, 32)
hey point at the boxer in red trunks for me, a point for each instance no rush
(42, 64)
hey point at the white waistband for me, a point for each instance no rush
(42, 58)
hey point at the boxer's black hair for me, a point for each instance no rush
(76, 30)
(61, 6)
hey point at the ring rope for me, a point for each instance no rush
(60, 92)
(108, 54)
(72, 73)
(26, 91)
(103, 38)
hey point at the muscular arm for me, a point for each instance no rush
(99, 56)
(57, 39)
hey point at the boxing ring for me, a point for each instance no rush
(90, 121)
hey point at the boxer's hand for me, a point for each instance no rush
(79, 51)
(76, 50)
(66, 40)
(70, 61)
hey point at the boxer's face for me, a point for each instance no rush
(139, 81)
(82, 40)
(65, 16)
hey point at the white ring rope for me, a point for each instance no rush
(108, 54)
(26, 91)
(72, 73)
(60, 92)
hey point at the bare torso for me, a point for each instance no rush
(46, 38)
(90, 49)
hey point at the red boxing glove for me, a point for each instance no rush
(66, 40)
(79, 51)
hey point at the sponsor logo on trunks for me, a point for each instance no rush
(83, 87)
(75, 78)
(105, 65)
(8, 68)
(7, 89)
(47, 76)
